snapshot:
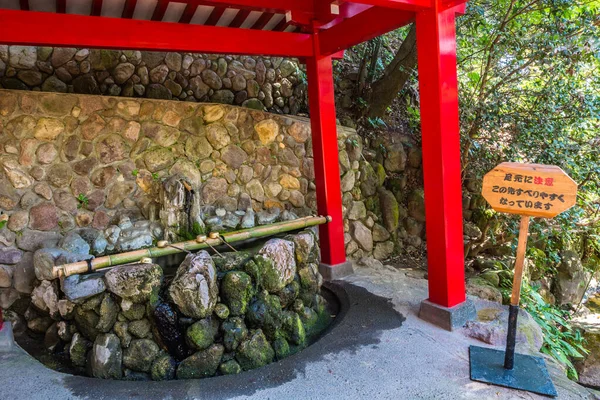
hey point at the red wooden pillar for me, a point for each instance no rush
(326, 162)
(436, 46)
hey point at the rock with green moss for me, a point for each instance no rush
(281, 348)
(230, 367)
(137, 282)
(140, 328)
(255, 352)
(201, 334)
(289, 294)
(237, 291)
(92, 303)
(277, 264)
(390, 210)
(416, 205)
(305, 248)
(163, 368)
(232, 261)
(292, 328)
(265, 313)
(234, 332)
(135, 376)
(140, 354)
(121, 329)
(309, 318)
(222, 311)
(132, 311)
(86, 322)
(201, 364)
(195, 289)
(78, 350)
(380, 172)
(492, 277)
(108, 314)
(369, 178)
(310, 278)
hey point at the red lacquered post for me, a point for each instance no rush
(436, 45)
(326, 161)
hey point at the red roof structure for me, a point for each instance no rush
(313, 31)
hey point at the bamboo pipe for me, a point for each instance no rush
(202, 242)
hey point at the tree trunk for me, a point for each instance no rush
(385, 90)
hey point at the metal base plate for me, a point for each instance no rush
(529, 373)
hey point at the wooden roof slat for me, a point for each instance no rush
(215, 16)
(96, 7)
(129, 8)
(61, 6)
(239, 18)
(188, 13)
(159, 11)
(262, 20)
(24, 4)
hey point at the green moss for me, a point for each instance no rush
(222, 311)
(372, 204)
(234, 332)
(134, 312)
(380, 172)
(265, 313)
(265, 275)
(230, 367)
(201, 334)
(237, 291)
(281, 347)
(255, 352)
(292, 328)
(163, 368)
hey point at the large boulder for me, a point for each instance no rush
(194, 289)
(78, 288)
(202, 334)
(140, 354)
(237, 291)
(255, 352)
(202, 364)
(105, 360)
(138, 282)
(571, 280)
(492, 322)
(276, 264)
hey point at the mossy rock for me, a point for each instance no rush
(255, 352)
(264, 273)
(237, 291)
(289, 294)
(140, 354)
(86, 322)
(310, 319)
(129, 375)
(163, 368)
(140, 328)
(78, 350)
(234, 332)
(108, 314)
(292, 328)
(265, 313)
(134, 312)
(201, 364)
(230, 367)
(491, 277)
(372, 204)
(232, 261)
(222, 311)
(200, 335)
(281, 348)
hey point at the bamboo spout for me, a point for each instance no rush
(83, 267)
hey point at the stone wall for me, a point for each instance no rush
(101, 166)
(270, 83)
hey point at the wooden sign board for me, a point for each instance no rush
(533, 190)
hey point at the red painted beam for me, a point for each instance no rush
(39, 29)
(262, 21)
(215, 16)
(159, 11)
(326, 159)
(239, 18)
(188, 13)
(61, 6)
(96, 7)
(438, 87)
(129, 8)
(361, 28)
(282, 25)
(24, 4)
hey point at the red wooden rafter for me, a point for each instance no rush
(24, 4)
(129, 8)
(188, 13)
(262, 20)
(96, 7)
(215, 16)
(61, 6)
(239, 18)
(159, 11)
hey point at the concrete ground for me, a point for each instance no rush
(379, 349)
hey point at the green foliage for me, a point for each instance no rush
(3, 224)
(376, 122)
(83, 201)
(155, 176)
(135, 172)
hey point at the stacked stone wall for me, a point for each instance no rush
(270, 83)
(92, 163)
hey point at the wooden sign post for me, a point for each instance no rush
(530, 190)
